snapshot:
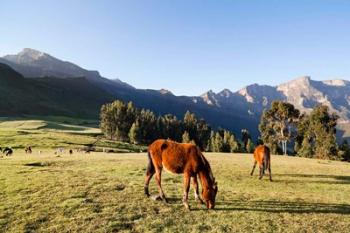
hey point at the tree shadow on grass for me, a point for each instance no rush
(283, 207)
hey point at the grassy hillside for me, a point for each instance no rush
(52, 132)
(104, 193)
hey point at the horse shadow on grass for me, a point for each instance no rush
(283, 207)
(314, 178)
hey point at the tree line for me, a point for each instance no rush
(285, 130)
(125, 122)
(282, 127)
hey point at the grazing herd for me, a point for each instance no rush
(187, 159)
(8, 151)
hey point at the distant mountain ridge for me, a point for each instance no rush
(232, 110)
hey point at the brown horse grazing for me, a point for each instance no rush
(262, 156)
(181, 158)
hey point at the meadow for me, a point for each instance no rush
(103, 192)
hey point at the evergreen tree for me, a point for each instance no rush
(245, 137)
(107, 124)
(316, 133)
(344, 149)
(148, 121)
(306, 149)
(169, 126)
(218, 143)
(186, 137)
(250, 146)
(234, 145)
(322, 128)
(135, 133)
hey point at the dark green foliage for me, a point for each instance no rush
(344, 150)
(306, 148)
(117, 119)
(316, 134)
(198, 129)
(245, 137)
(223, 141)
(170, 127)
(125, 122)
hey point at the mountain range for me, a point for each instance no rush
(31, 76)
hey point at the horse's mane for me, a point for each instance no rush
(206, 165)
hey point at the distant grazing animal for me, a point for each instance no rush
(262, 156)
(7, 151)
(28, 150)
(181, 158)
(70, 151)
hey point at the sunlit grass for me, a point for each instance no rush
(102, 192)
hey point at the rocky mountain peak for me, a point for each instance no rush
(225, 93)
(27, 55)
(336, 82)
(209, 97)
(165, 92)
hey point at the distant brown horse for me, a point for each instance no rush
(28, 150)
(262, 156)
(181, 158)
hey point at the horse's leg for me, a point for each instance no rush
(187, 179)
(251, 173)
(261, 172)
(270, 171)
(196, 189)
(159, 183)
(149, 174)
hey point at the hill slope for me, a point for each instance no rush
(48, 96)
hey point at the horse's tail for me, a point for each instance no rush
(266, 159)
(150, 166)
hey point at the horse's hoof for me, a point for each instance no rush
(156, 198)
(200, 201)
(187, 206)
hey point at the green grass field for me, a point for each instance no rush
(101, 192)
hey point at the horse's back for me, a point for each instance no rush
(174, 157)
(260, 152)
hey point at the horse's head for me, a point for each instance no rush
(209, 195)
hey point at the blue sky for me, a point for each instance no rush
(186, 46)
